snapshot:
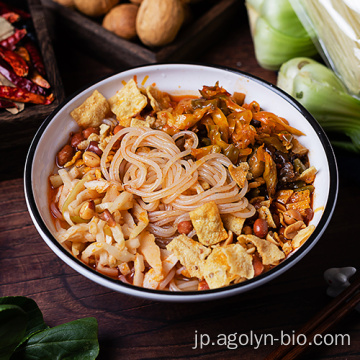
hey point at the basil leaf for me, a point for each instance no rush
(76, 340)
(12, 329)
(35, 321)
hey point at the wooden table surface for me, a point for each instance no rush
(132, 328)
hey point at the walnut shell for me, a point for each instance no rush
(95, 8)
(158, 21)
(121, 20)
(67, 3)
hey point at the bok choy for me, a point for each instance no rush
(322, 93)
(277, 33)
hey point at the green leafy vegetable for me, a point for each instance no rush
(12, 329)
(24, 334)
(277, 33)
(35, 321)
(323, 94)
(76, 340)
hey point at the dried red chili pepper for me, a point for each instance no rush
(21, 95)
(11, 17)
(19, 81)
(11, 41)
(4, 8)
(35, 57)
(36, 78)
(15, 61)
(6, 104)
(21, 51)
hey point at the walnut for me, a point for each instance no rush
(95, 7)
(158, 21)
(121, 20)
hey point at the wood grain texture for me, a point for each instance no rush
(19, 129)
(132, 328)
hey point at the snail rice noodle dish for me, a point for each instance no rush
(181, 193)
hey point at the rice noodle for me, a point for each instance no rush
(187, 285)
(55, 211)
(166, 281)
(172, 286)
(168, 184)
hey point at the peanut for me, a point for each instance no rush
(91, 159)
(309, 214)
(106, 216)
(184, 227)
(94, 147)
(260, 228)
(65, 155)
(117, 128)
(258, 265)
(76, 139)
(90, 130)
(87, 210)
(291, 230)
(292, 216)
(247, 230)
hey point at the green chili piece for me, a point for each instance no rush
(299, 166)
(76, 219)
(298, 184)
(76, 190)
(232, 153)
(275, 142)
(311, 188)
(201, 103)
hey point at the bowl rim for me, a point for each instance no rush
(165, 295)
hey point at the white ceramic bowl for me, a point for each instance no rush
(180, 79)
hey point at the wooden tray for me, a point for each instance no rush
(112, 50)
(19, 129)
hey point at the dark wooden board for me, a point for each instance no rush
(19, 129)
(112, 50)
